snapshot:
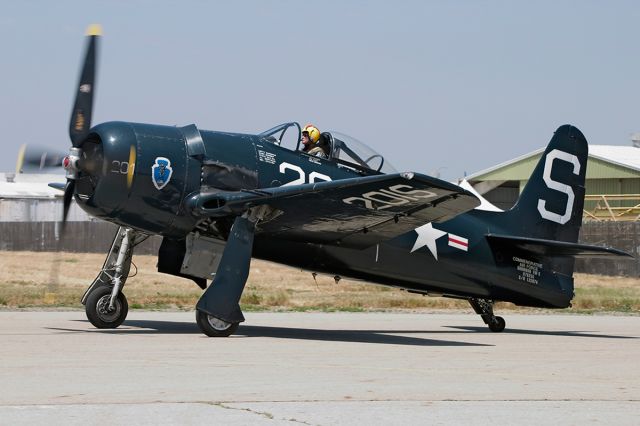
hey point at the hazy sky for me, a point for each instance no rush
(449, 86)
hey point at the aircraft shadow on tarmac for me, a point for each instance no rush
(389, 337)
(541, 332)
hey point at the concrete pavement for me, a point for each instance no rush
(320, 368)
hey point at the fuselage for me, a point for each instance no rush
(457, 272)
(451, 258)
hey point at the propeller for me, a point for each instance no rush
(80, 121)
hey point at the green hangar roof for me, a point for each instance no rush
(605, 162)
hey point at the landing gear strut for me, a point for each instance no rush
(218, 310)
(105, 304)
(484, 308)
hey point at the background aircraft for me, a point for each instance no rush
(219, 198)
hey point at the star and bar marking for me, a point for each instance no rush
(427, 236)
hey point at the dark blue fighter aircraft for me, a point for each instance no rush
(218, 199)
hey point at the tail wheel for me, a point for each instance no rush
(98, 311)
(497, 325)
(215, 327)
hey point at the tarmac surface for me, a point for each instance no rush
(320, 369)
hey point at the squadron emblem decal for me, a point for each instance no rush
(161, 172)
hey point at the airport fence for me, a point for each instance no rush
(80, 237)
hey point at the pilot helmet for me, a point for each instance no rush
(312, 131)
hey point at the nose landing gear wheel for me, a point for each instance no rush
(215, 327)
(98, 311)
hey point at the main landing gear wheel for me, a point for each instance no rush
(215, 327)
(98, 311)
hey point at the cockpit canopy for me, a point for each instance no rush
(343, 149)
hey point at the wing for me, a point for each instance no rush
(355, 213)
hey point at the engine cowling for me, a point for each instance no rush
(138, 175)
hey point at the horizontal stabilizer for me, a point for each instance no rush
(552, 248)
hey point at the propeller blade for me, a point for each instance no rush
(80, 122)
(35, 158)
(20, 162)
(56, 185)
(68, 196)
(54, 274)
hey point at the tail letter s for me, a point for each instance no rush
(552, 184)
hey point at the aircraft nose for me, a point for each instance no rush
(105, 167)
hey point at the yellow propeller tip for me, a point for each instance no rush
(20, 161)
(94, 30)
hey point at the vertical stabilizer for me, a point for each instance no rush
(551, 204)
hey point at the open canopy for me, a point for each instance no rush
(342, 148)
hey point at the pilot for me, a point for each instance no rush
(311, 142)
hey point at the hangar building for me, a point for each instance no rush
(612, 185)
(30, 215)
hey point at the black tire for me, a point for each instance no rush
(214, 327)
(97, 308)
(497, 325)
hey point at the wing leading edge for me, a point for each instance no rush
(355, 213)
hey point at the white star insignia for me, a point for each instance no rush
(427, 236)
